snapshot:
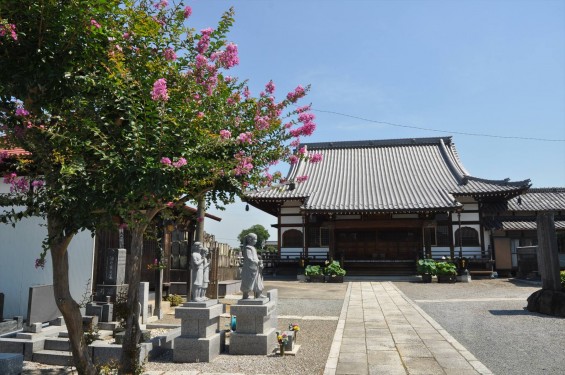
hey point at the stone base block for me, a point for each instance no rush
(11, 363)
(253, 344)
(112, 291)
(549, 302)
(196, 350)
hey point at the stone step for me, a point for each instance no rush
(53, 357)
(57, 343)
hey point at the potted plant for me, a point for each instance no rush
(334, 272)
(446, 272)
(314, 273)
(426, 268)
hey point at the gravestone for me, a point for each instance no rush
(113, 276)
(256, 322)
(41, 305)
(144, 301)
(200, 339)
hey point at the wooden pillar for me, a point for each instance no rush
(548, 259)
(427, 239)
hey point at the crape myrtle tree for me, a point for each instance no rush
(127, 111)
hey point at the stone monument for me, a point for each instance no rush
(252, 270)
(200, 339)
(113, 275)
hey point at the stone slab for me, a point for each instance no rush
(200, 313)
(251, 344)
(262, 310)
(114, 266)
(110, 290)
(255, 324)
(253, 301)
(200, 304)
(189, 350)
(41, 306)
(11, 363)
(144, 301)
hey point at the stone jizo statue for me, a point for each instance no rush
(206, 273)
(252, 270)
(197, 268)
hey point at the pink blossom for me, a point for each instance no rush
(306, 117)
(303, 108)
(160, 90)
(166, 161)
(225, 134)
(270, 87)
(302, 150)
(293, 159)
(306, 129)
(94, 23)
(228, 79)
(126, 35)
(200, 114)
(301, 178)
(169, 54)
(170, 204)
(316, 158)
(9, 178)
(9, 28)
(288, 125)
(204, 42)
(40, 263)
(230, 101)
(295, 143)
(161, 4)
(246, 137)
(179, 163)
(244, 166)
(21, 112)
(37, 183)
(200, 219)
(298, 93)
(187, 11)
(229, 57)
(246, 92)
(261, 122)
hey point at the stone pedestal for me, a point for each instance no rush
(256, 324)
(104, 311)
(200, 339)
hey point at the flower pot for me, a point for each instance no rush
(281, 349)
(334, 279)
(426, 278)
(317, 278)
(448, 279)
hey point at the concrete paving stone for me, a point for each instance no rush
(360, 357)
(380, 323)
(481, 369)
(383, 357)
(351, 368)
(401, 338)
(425, 336)
(453, 371)
(453, 362)
(353, 348)
(381, 345)
(414, 350)
(356, 333)
(377, 332)
(350, 341)
(422, 366)
(386, 370)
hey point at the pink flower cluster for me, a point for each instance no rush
(40, 263)
(316, 158)
(177, 164)
(159, 91)
(293, 159)
(246, 137)
(225, 134)
(204, 42)
(169, 54)
(21, 112)
(270, 87)
(17, 185)
(95, 23)
(161, 4)
(37, 183)
(300, 179)
(298, 93)
(308, 126)
(227, 58)
(244, 165)
(262, 122)
(8, 29)
(187, 11)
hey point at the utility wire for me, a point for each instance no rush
(437, 130)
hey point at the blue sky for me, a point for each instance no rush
(486, 67)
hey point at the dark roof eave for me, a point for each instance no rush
(379, 211)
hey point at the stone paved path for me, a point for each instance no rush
(381, 331)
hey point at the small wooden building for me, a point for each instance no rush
(379, 205)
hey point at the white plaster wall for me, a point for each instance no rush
(290, 210)
(21, 246)
(291, 220)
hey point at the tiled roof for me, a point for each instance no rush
(535, 199)
(399, 175)
(520, 223)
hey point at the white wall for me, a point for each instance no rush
(21, 246)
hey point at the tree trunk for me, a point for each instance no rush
(130, 348)
(66, 304)
(200, 214)
(548, 258)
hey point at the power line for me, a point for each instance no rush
(437, 130)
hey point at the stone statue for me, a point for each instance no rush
(197, 268)
(206, 273)
(251, 273)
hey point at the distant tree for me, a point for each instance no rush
(260, 231)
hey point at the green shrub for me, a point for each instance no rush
(445, 268)
(334, 269)
(562, 274)
(426, 267)
(175, 300)
(313, 270)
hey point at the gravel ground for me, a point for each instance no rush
(489, 319)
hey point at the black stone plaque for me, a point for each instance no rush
(115, 266)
